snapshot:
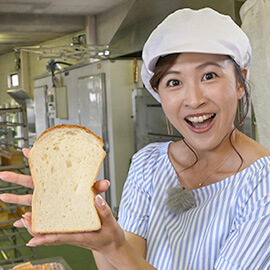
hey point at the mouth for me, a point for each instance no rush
(200, 123)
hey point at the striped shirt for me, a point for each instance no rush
(228, 229)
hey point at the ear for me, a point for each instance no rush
(240, 92)
(156, 90)
(240, 88)
(244, 72)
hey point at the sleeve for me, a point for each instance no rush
(136, 199)
(248, 244)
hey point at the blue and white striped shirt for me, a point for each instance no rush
(228, 229)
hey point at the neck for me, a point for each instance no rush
(209, 157)
(200, 168)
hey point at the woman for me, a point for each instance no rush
(202, 202)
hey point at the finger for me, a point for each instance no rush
(24, 223)
(17, 199)
(20, 179)
(104, 211)
(27, 215)
(18, 224)
(28, 225)
(101, 186)
(26, 152)
(58, 239)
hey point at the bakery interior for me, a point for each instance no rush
(78, 62)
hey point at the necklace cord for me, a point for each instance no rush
(200, 183)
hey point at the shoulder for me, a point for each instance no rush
(151, 153)
(252, 150)
(258, 173)
(255, 182)
(260, 170)
(146, 162)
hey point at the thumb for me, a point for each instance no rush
(104, 210)
(26, 152)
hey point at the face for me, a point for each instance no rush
(199, 96)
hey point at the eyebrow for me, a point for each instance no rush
(208, 64)
(171, 72)
(198, 67)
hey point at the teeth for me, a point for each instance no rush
(199, 119)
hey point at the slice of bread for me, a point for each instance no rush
(64, 164)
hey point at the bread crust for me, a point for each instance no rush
(34, 180)
(69, 126)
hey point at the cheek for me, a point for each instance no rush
(170, 104)
(226, 95)
(167, 109)
(228, 105)
(172, 112)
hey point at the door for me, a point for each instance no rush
(92, 111)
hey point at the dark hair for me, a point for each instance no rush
(165, 62)
(162, 66)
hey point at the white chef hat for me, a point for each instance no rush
(200, 31)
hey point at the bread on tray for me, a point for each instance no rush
(64, 164)
(45, 266)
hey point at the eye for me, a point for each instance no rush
(173, 83)
(209, 76)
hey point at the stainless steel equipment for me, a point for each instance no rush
(13, 137)
(150, 122)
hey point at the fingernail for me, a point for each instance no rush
(23, 222)
(26, 217)
(100, 201)
(3, 197)
(108, 182)
(16, 224)
(31, 244)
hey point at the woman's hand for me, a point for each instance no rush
(109, 241)
(109, 234)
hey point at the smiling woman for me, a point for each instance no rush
(193, 192)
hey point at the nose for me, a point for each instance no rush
(194, 96)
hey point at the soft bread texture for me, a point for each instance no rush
(64, 164)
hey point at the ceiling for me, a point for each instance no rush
(30, 22)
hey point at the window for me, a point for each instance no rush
(13, 80)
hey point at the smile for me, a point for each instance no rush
(200, 119)
(200, 123)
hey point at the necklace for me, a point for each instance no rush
(200, 183)
(179, 199)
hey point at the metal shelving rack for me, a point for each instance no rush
(11, 146)
(13, 138)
